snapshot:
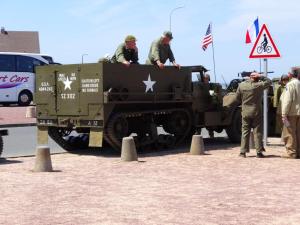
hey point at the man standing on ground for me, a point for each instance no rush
(291, 117)
(160, 51)
(249, 94)
(206, 80)
(127, 52)
(278, 95)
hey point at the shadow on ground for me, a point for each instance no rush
(4, 161)
(210, 144)
(266, 156)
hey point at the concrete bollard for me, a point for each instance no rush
(197, 146)
(128, 152)
(30, 112)
(251, 141)
(43, 160)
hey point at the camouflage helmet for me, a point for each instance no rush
(168, 34)
(130, 38)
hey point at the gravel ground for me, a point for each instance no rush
(170, 187)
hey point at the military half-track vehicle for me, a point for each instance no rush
(82, 105)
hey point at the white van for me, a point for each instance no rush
(17, 78)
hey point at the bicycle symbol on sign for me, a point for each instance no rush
(264, 47)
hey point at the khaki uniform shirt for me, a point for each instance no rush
(291, 99)
(122, 53)
(279, 105)
(249, 94)
(277, 94)
(159, 51)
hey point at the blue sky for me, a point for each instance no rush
(70, 28)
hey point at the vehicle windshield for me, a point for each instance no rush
(48, 58)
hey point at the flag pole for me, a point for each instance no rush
(213, 54)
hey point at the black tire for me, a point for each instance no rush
(234, 130)
(24, 98)
(1, 145)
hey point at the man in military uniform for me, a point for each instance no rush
(278, 94)
(249, 94)
(291, 117)
(206, 78)
(160, 51)
(127, 52)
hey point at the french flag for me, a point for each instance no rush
(252, 32)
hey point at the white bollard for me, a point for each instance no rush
(43, 160)
(30, 112)
(128, 152)
(197, 146)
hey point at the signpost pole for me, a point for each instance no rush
(263, 48)
(265, 101)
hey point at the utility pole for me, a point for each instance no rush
(170, 16)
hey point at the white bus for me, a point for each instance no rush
(17, 78)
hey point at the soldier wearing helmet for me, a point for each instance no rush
(127, 52)
(277, 101)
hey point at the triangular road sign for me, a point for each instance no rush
(264, 46)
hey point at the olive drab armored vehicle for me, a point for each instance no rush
(85, 105)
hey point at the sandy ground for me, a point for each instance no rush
(170, 187)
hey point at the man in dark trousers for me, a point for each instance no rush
(249, 94)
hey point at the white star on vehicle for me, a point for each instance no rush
(67, 83)
(149, 84)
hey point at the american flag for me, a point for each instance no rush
(207, 38)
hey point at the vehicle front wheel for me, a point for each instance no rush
(24, 99)
(235, 128)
